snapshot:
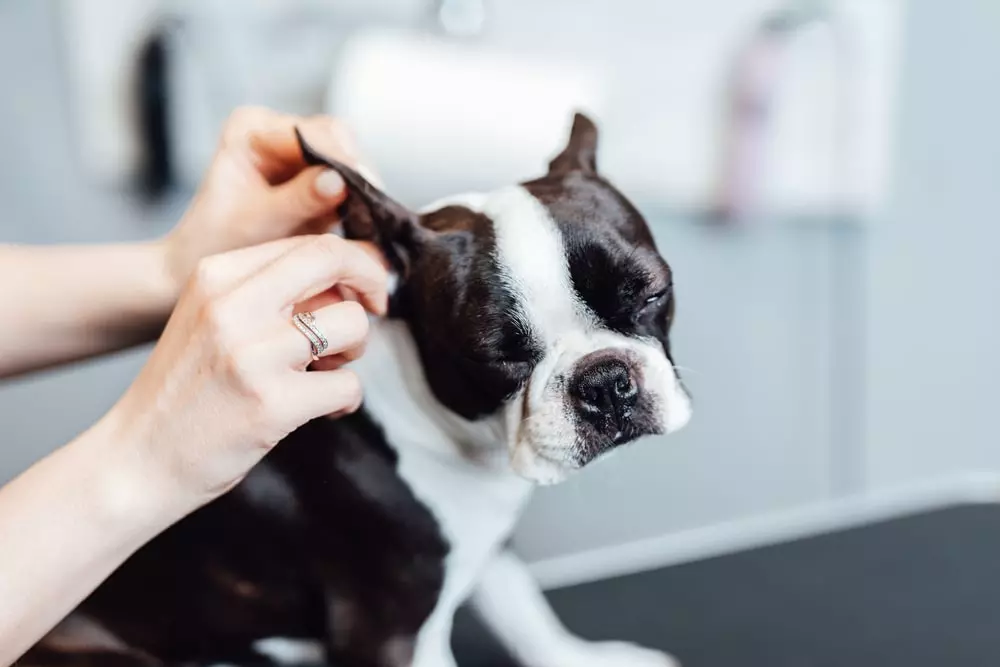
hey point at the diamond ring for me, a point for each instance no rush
(306, 323)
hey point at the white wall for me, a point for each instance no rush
(934, 265)
(657, 72)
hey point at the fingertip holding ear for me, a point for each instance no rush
(310, 156)
(370, 214)
(308, 199)
(329, 184)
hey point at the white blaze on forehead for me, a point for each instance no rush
(534, 265)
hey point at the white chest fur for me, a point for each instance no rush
(476, 501)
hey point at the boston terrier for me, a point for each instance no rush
(527, 336)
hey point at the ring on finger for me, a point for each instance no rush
(306, 323)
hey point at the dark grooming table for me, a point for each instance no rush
(919, 591)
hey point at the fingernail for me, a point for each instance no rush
(329, 183)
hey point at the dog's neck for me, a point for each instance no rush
(398, 396)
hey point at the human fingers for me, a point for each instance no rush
(315, 266)
(313, 194)
(223, 272)
(336, 361)
(312, 395)
(276, 147)
(333, 138)
(344, 327)
(240, 139)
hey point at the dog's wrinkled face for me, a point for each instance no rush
(546, 305)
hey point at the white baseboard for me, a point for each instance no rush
(733, 536)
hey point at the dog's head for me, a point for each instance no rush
(545, 304)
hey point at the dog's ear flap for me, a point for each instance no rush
(580, 153)
(369, 214)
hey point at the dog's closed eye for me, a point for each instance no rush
(500, 359)
(657, 298)
(653, 303)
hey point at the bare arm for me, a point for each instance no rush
(66, 524)
(61, 304)
(224, 384)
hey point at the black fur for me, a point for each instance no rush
(475, 353)
(351, 545)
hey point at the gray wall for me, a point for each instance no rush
(44, 199)
(934, 308)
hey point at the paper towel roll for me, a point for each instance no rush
(438, 118)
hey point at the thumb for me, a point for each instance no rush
(312, 193)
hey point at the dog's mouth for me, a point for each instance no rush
(541, 468)
(539, 453)
(596, 443)
(548, 465)
(550, 443)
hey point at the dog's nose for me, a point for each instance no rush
(605, 393)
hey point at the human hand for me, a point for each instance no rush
(228, 379)
(258, 188)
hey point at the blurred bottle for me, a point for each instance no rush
(754, 91)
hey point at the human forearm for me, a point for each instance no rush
(63, 303)
(68, 522)
(226, 381)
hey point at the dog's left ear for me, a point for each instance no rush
(580, 153)
(369, 214)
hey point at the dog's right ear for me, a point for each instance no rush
(371, 215)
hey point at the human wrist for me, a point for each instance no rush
(166, 276)
(131, 490)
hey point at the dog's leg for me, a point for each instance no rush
(512, 605)
(363, 640)
(435, 652)
(433, 648)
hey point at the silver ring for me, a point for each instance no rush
(306, 323)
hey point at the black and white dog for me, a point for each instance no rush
(528, 335)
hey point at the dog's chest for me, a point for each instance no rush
(476, 508)
(476, 503)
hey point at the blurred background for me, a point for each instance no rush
(821, 176)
